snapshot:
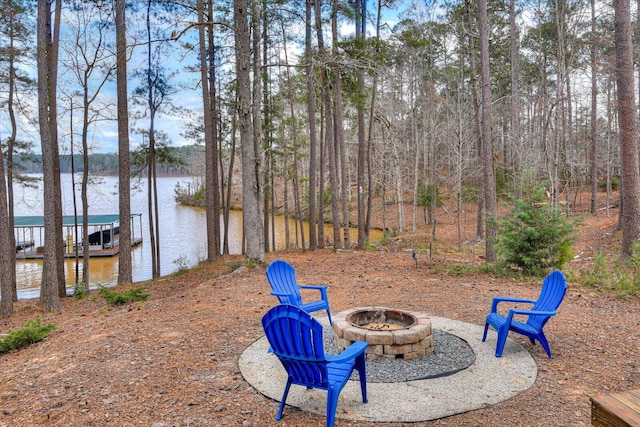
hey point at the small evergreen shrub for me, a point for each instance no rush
(32, 332)
(620, 277)
(535, 238)
(233, 266)
(182, 264)
(115, 298)
(469, 193)
(599, 275)
(428, 194)
(80, 290)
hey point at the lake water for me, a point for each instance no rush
(182, 233)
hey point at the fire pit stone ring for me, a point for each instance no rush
(391, 333)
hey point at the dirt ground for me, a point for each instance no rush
(173, 359)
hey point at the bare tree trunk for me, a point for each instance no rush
(232, 158)
(152, 200)
(490, 199)
(212, 211)
(360, 37)
(294, 132)
(473, 82)
(341, 163)
(257, 107)
(313, 141)
(594, 114)
(251, 190)
(322, 167)
(7, 252)
(330, 133)
(53, 120)
(10, 289)
(515, 97)
(124, 168)
(84, 192)
(372, 112)
(399, 186)
(627, 124)
(609, 133)
(215, 155)
(49, 293)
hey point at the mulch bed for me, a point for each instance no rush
(172, 360)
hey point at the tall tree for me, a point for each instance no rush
(207, 74)
(154, 93)
(361, 20)
(338, 123)
(251, 190)
(47, 59)
(627, 124)
(490, 198)
(313, 137)
(330, 133)
(7, 252)
(15, 33)
(473, 84)
(91, 65)
(125, 275)
(515, 90)
(594, 113)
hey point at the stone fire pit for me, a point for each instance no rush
(391, 333)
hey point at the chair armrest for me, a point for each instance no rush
(350, 352)
(532, 312)
(496, 300)
(515, 311)
(321, 288)
(290, 298)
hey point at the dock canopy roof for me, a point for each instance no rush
(68, 220)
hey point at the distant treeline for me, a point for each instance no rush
(175, 161)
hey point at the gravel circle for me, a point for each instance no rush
(451, 354)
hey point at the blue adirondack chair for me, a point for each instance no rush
(296, 338)
(282, 278)
(554, 288)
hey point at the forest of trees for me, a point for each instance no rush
(319, 108)
(180, 161)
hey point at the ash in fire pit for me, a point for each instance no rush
(391, 334)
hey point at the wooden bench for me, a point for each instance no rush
(616, 409)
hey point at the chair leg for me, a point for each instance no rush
(545, 344)
(329, 314)
(502, 340)
(284, 399)
(486, 328)
(332, 404)
(362, 372)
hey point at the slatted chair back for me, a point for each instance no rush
(296, 338)
(554, 288)
(553, 291)
(282, 278)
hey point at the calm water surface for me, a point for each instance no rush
(182, 231)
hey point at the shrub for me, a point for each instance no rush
(428, 194)
(534, 237)
(115, 298)
(32, 333)
(80, 290)
(233, 266)
(621, 277)
(182, 264)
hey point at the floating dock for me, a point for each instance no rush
(103, 238)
